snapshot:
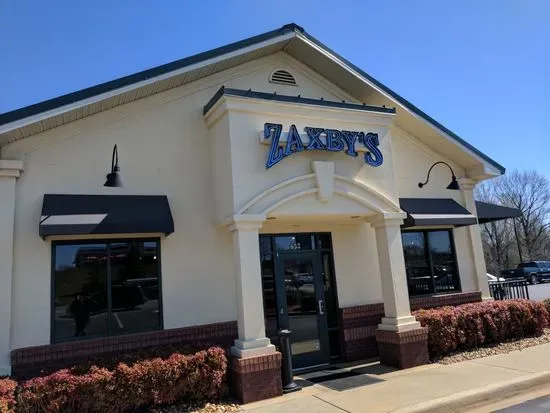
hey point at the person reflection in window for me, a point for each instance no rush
(80, 310)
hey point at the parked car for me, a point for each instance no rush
(532, 271)
(491, 277)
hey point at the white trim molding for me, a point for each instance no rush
(10, 168)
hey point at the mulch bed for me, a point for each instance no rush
(222, 407)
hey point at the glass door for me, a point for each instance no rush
(302, 307)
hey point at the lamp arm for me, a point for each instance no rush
(114, 161)
(421, 184)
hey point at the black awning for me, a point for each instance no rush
(435, 211)
(105, 214)
(487, 212)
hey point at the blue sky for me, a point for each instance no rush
(482, 68)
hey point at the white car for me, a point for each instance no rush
(491, 277)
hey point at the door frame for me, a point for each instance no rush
(321, 358)
(320, 246)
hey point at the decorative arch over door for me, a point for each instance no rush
(320, 195)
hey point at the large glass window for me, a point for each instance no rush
(105, 288)
(430, 262)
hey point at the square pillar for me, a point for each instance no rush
(402, 341)
(255, 363)
(474, 233)
(9, 172)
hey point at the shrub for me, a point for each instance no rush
(7, 395)
(196, 377)
(472, 325)
(547, 304)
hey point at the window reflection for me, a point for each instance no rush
(419, 278)
(103, 289)
(430, 262)
(269, 296)
(301, 305)
(80, 306)
(134, 286)
(443, 261)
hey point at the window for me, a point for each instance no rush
(105, 288)
(430, 262)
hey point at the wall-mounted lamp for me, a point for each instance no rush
(454, 183)
(113, 178)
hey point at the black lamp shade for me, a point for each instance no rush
(113, 180)
(454, 184)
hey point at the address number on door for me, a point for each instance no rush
(294, 246)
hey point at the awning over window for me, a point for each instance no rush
(435, 211)
(487, 212)
(105, 214)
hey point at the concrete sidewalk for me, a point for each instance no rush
(438, 388)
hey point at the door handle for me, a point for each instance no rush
(321, 309)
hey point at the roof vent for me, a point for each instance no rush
(282, 77)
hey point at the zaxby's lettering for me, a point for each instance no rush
(319, 139)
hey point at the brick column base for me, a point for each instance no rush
(256, 378)
(403, 350)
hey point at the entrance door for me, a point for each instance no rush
(302, 307)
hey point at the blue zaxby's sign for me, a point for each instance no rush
(283, 144)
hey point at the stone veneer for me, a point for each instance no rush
(256, 378)
(359, 323)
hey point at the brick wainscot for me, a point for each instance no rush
(256, 378)
(360, 323)
(32, 361)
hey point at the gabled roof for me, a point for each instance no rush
(291, 38)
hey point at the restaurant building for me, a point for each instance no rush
(268, 184)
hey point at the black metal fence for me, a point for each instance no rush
(508, 290)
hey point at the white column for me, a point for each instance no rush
(467, 187)
(9, 172)
(248, 284)
(397, 309)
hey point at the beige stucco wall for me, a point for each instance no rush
(412, 160)
(166, 148)
(356, 266)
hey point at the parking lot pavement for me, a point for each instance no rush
(539, 291)
(539, 405)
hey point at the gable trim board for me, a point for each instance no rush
(269, 42)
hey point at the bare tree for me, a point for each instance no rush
(497, 236)
(525, 238)
(529, 191)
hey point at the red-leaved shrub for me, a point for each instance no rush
(200, 376)
(472, 325)
(7, 395)
(547, 304)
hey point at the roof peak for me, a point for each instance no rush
(292, 27)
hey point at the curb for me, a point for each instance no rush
(466, 400)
